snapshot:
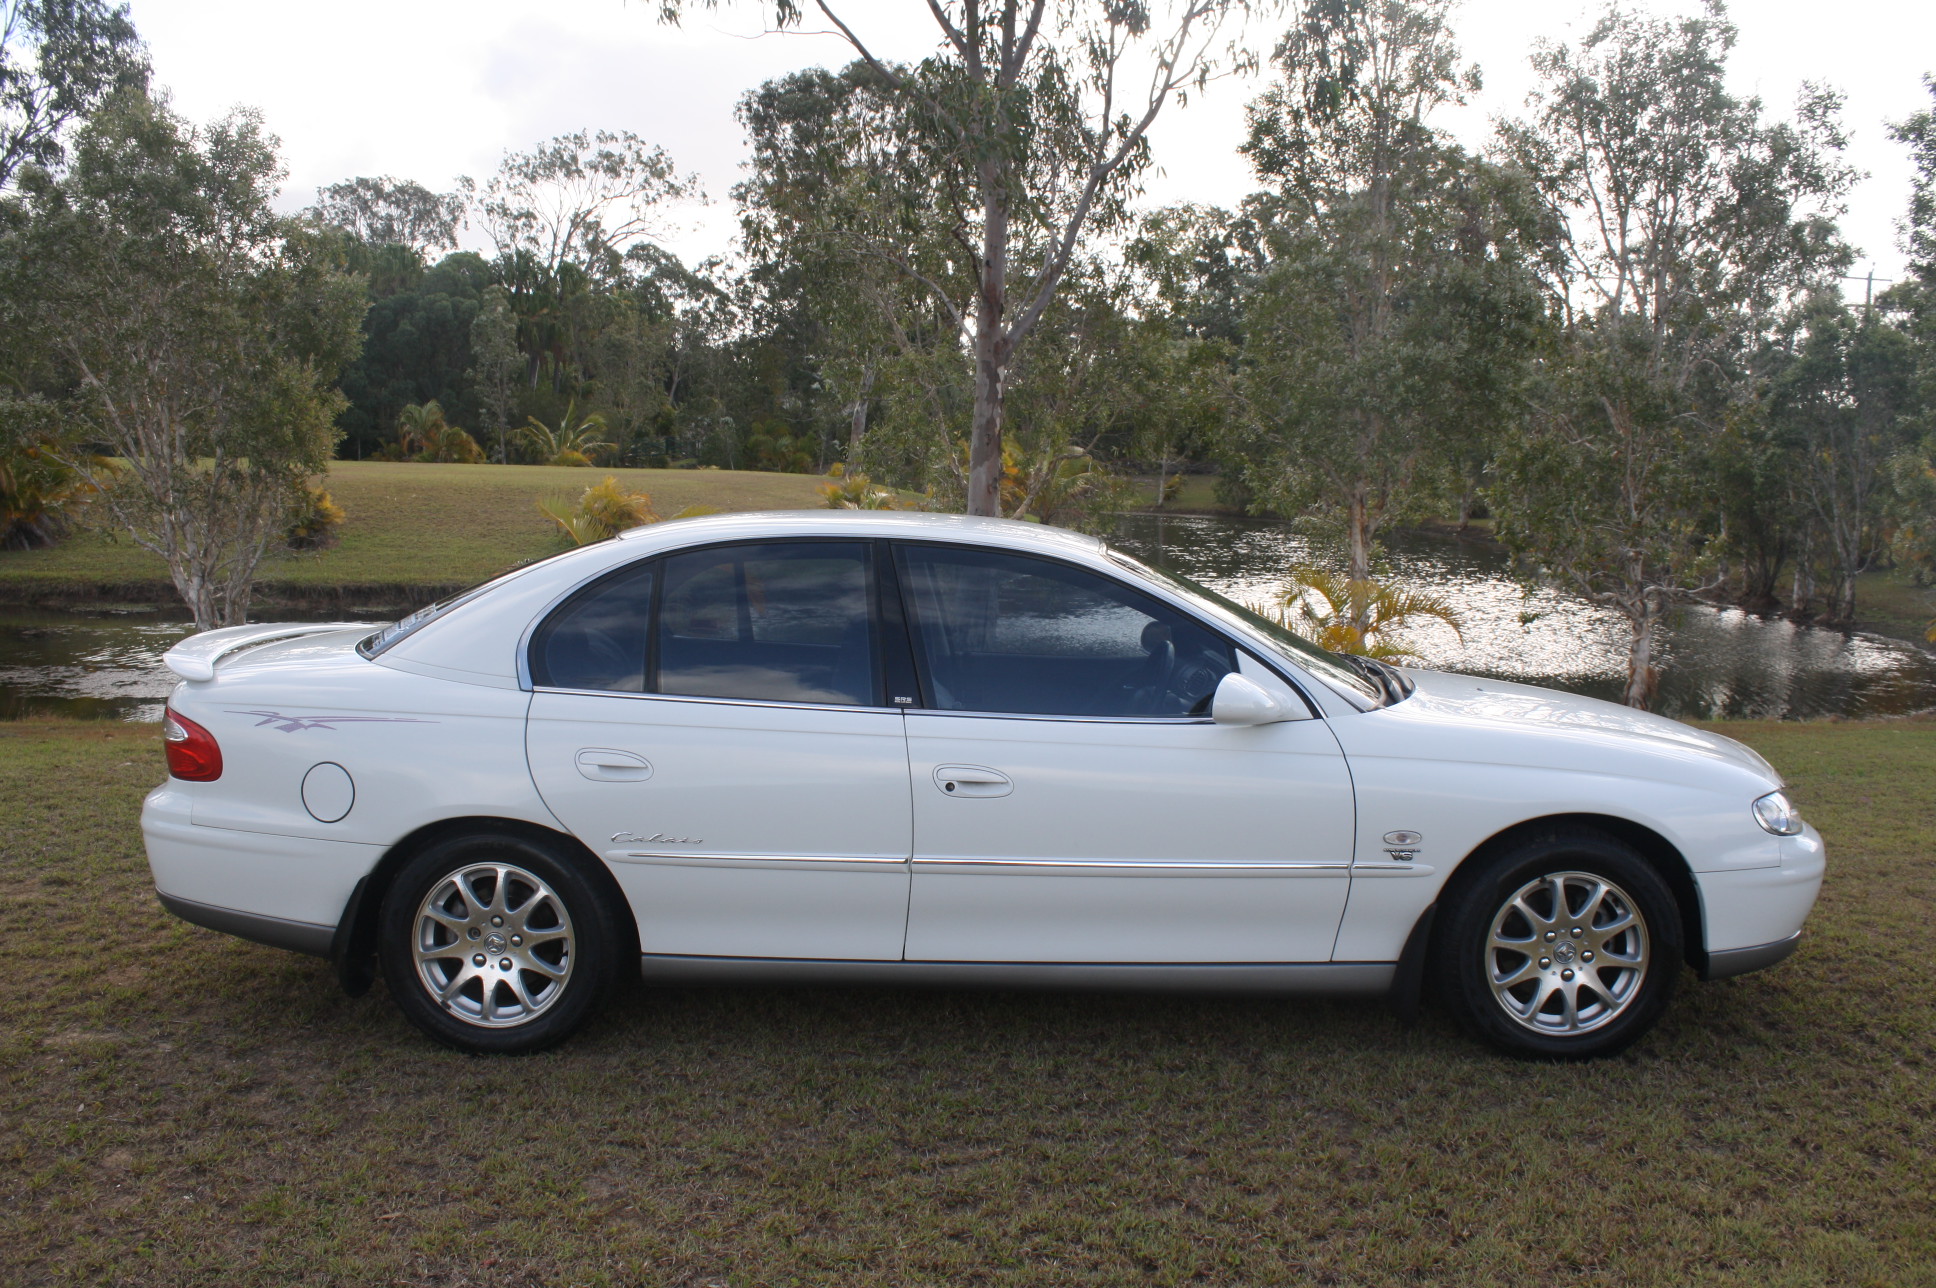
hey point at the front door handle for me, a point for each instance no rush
(605, 765)
(971, 780)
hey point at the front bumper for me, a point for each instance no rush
(1753, 916)
(1739, 961)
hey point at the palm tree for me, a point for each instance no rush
(1326, 608)
(418, 425)
(574, 440)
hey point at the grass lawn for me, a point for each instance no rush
(1889, 603)
(408, 524)
(181, 1107)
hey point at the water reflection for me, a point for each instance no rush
(102, 665)
(1725, 663)
(1715, 662)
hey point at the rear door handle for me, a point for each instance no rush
(971, 780)
(606, 765)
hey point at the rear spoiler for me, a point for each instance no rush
(195, 658)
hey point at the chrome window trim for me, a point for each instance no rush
(847, 706)
(1029, 715)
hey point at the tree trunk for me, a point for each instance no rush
(1358, 533)
(1162, 476)
(1643, 678)
(1804, 594)
(857, 418)
(1841, 606)
(991, 351)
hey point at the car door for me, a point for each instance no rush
(1073, 801)
(712, 723)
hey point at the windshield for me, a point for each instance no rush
(1357, 684)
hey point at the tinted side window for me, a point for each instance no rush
(596, 639)
(1007, 633)
(783, 622)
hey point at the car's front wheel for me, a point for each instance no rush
(496, 943)
(1566, 946)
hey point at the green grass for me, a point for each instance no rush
(181, 1107)
(1195, 494)
(1889, 603)
(411, 525)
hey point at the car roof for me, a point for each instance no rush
(907, 525)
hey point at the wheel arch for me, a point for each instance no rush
(353, 948)
(1662, 854)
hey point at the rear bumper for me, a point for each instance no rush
(288, 891)
(1739, 961)
(297, 936)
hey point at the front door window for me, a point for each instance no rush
(1006, 633)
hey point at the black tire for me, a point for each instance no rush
(534, 947)
(1541, 893)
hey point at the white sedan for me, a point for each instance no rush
(854, 748)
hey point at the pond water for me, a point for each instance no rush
(1716, 663)
(106, 664)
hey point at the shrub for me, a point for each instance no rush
(605, 510)
(856, 491)
(314, 519)
(37, 489)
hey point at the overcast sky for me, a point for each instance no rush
(431, 89)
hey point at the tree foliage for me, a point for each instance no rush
(392, 212)
(1395, 308)
(199, 335)
(1693, 223)
(58, 60)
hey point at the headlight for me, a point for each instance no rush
(1777, 814)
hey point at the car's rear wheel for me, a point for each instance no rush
(496, 943)
(1566, 946)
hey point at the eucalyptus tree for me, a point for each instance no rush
(1914, 469)
(581, 198)
(392, 212)
(1396, 292)
(496, 365)
(1843, 395)
(1693, 223)
(1039, 113)
(850, 230)
(58, 60)
(200, 334)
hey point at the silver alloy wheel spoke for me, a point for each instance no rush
(482, 965)
(1559, 973)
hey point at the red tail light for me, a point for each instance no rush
(192, 751)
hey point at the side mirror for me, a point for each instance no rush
(1244, 702)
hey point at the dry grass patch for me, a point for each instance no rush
(186, 1108)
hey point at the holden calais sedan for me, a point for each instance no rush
(865, 748)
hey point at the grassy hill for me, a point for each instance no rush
(412, 532)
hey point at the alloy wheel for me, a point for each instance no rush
(493, 945)
(1567, 953)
